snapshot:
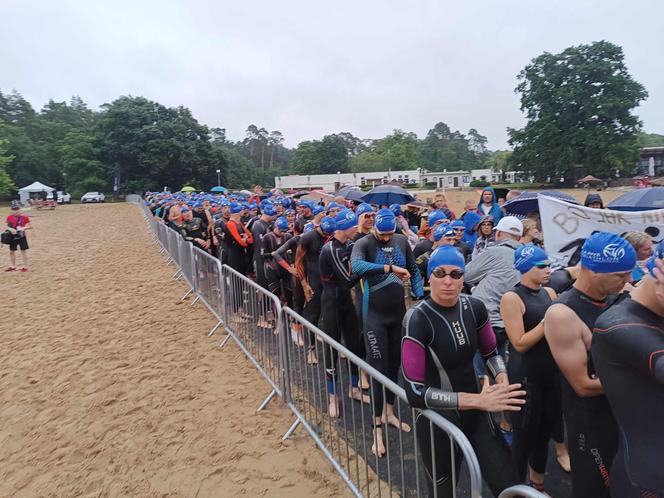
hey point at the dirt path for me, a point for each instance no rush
(109, 387)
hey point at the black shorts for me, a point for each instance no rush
(21, 242)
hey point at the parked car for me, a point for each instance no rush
(92, 197)
(63, 197)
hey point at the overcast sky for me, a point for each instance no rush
(310, 68)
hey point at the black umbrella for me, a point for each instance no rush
(351, 193)
(526, 203)
(384, 195)
(641, 199)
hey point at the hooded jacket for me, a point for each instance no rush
(496, 212)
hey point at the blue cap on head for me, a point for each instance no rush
(458, 224)
(246, 205)
(184, 209)
(281, 223)
(385, 222)
(328, 225)
(527, 256)
(236, 208)
(269, 194)
(396, 209)
(289, 211)
(308, 227)
(224, 202)
(442, 230)
(317, 209)
(364, 208)
(285, 202)
(658, 253)
(333, 205)
(445, 256)
(198, 204)
(269, 209)
(305, 203)
(605, 252)
(436, 216)
(346, 219)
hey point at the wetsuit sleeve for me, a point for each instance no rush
(418, 334)
(416, 284)
(639, 345)
(486, 339)
(266, 245)
(232, 229)
(278, 255)
(361, 267)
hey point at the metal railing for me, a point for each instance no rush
(521, 491)
(277, 341)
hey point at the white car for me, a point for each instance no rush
(63, 197)
(92, 197)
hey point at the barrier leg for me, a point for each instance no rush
(224, 341)
(291, 430)
(214, 329)
(187, 294)
(195, 300)
(169, 261)
(266, 400)
(176, 275)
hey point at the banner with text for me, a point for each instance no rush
(566, 226)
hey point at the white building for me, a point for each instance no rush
(333, 182)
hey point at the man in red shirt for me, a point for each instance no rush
(17, 224)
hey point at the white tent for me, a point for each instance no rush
(24, 193)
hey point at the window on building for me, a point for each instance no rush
(384, 179)
(465, 179)
(363, 181)
(450, 180)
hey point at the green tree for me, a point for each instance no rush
(579, 107)
(650, 140)
(14, 109)
(321, 156)
(7, 186)
(398, 151)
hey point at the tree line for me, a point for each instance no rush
(579, 107)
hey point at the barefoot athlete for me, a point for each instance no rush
(607, 261)
(17, 224)
(628, 353)
(338, 311)
(531, 364)
(384, 261)
(441, 336)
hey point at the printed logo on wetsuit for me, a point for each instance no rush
(444, 397)
(388, 249)
(458, 333)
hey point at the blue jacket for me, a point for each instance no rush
(496, 212)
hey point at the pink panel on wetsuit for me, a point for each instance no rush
(486, 339)
(413, 360)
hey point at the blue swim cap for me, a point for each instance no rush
(281, 223)
(245, 205)
(333, 205)
(445, 256)
(224, 202)
(289, 211)
(328, 225)
(436, 217)
(605, 252)
(345, 219)
(658, 253)
(236, 208)
(285, 202)
(442, 230)
(364, 208)
(385, 222)
(317, 209)
(253, 205)
(269, 209)
(306, 203)
(396, 209)
(458, 224)
(184, 209)
(527, 256)
(198, 204)
(308, 227)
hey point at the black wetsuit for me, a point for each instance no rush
(538, 373)
(383, 305)
(311, 244)
(560, 281)
(259, 229)
(300, 221)
(591, 427)
(628, 353)
(438, 347)
(422, 247)
(193, 229)
(284, 257)
(464, 249)
(276, 277)
(338, 311)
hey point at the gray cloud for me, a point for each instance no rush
(312, 68)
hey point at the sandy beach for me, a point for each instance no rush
(109, 386)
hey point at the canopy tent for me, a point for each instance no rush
(24, 193)
(590, 179)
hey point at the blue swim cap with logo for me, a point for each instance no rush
(442, 230)
(445, 256)
(281, 223)
(345, 219)
(527, 256)
(385, 222)
(605, 252)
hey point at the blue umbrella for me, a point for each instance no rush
(527, 203)
(219, 188)
(351, 193)
(641, 199)
(384, 195)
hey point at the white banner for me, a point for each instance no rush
(566, 226)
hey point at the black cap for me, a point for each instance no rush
(15, 205)
(592, 198)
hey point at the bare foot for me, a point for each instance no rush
(356, 394)
(311, 358)
(562, 455)
(333, 407)
(395, 422)
(378, 447)
(364, 380)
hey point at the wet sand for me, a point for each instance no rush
(109, 387)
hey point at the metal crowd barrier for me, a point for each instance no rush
(272, 337)
(252, 317)
(347, 440)
(207, 282)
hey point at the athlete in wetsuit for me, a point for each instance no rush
(441, 336)
(531, 364)
(384, 261)
(237, 239)
(607, 261)
(276, 276)
(338, 312)
(628, 354)
(306, 265)
(259, 229)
